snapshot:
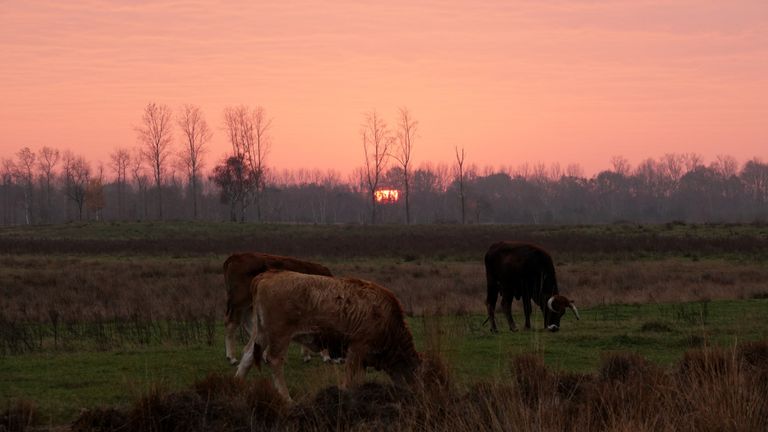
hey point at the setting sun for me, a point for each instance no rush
(387, 195)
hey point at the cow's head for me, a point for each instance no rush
(556, 307)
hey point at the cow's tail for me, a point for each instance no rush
(257, 329)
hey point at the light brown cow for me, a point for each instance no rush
(239, 271)
(366, 318)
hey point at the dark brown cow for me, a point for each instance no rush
(239, 271)
(523, 271)
(366, 317)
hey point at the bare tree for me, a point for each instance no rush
(692, 161)
(726, 166)
(94, 193)
(8, 173)
(140, 178)
(248, 134)
(621, 165)
(460, 178)
(555, 171)
(670, 170)
(77, 173)
(155, 135)
(196, 135)
(47, 158)
(539, 174)
(754, 174)
(26, 160)
(376, 143)
(522, 170)
(406, 134)
(574, 170)
(119, 161)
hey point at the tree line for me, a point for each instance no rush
(164, 177)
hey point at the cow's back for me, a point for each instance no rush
(322, 300)
(519, 262)
(241, 268)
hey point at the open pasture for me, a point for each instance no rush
(132, 307)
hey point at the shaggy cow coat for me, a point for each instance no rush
(239, 271)
(366, 318)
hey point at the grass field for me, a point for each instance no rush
(129, 308)
(64, 382)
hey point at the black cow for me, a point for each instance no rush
(520, 270)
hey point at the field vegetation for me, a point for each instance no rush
(123, 321)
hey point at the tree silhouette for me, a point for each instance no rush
(195, 136)
(376, 144)
(406, 134)
(155, 135)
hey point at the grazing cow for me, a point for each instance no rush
(522, 270)
(239, 271)
(364, 317)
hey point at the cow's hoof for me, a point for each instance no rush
(494, 331)
(307, 359)
(233, 362)
(513, 330)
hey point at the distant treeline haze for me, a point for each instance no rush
(38, 187)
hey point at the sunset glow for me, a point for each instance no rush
(387, 195)
(513, 82)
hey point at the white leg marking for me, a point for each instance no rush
(247, 361)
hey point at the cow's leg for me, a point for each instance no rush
(275, 356)
(490, 302)
(247, 320)
(279, 379)
(326, 356)
(506, 307)
(232, 322)
(306, 354)
(251, 354)
(355, 358)
(527, 310)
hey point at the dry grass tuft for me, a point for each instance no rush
(434, 373)
(100, 419)
(18, 416)
(624, 367)
(704, 364)
(215, 403)
(755, 354)
(532, 377)
(375, 405)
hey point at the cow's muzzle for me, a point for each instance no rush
(553, 327)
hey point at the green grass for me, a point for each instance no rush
(63, 383)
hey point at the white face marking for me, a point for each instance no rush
(552, 327)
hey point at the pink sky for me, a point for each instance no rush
(511, 81)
